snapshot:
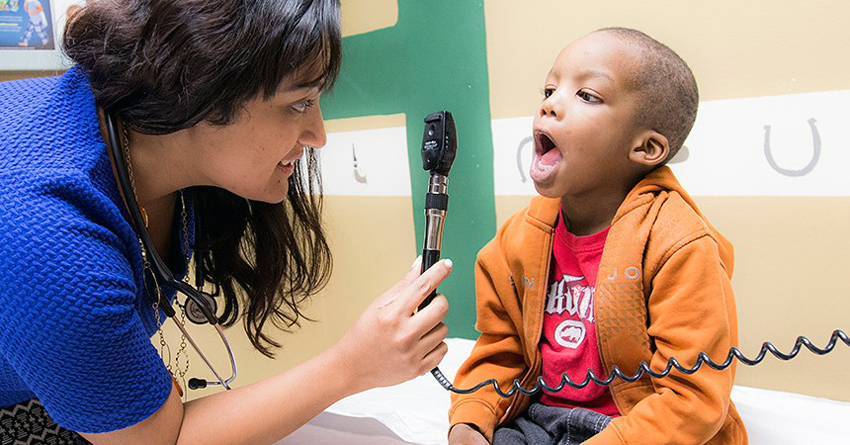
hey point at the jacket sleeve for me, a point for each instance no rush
(498, 353)
(691, 310)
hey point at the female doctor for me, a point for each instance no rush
(179, 134)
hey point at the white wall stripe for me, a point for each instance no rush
(381, 163)
(808, 148)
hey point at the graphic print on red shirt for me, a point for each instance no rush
(568, 343)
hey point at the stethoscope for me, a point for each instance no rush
(199, 306)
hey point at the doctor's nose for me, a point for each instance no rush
(313, 134)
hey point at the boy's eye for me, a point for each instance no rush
(588, 97)
(547, 92)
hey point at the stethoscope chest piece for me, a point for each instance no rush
(194, 312)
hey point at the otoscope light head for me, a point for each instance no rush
(439, 143)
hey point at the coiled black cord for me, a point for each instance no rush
(672, 363)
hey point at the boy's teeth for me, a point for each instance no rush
(543, 167)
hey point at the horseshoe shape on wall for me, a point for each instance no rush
(816, 143)
(519, 157)
(359, 176)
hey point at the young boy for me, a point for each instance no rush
(612, 265)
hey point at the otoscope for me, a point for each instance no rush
(439, 146)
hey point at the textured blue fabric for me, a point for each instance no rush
(75, 323)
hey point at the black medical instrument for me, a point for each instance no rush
(672, 363)
(439, 146)
(199, 306)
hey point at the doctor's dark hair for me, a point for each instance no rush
(166, 65)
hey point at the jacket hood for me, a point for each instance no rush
(662, 180)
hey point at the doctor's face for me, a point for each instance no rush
(254, 156)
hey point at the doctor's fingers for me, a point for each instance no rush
(410, 276)
(433, 338)
(393, 293)
(430, 316)
(434, 357)
(423, 285)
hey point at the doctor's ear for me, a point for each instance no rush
(650, 149)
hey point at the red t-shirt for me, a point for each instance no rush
(568, 343)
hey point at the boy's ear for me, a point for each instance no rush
(651, 149)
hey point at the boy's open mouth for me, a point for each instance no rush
(546, 155)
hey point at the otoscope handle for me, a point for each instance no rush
(436, 205)
(429, 258)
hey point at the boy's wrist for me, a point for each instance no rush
(466, 434)
(475, 412)
(466, 425)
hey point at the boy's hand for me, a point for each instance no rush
(463, 434)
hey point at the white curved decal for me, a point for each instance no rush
(790, 145)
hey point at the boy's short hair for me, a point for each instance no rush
(669, 96)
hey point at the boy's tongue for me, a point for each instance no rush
(550, 158)
(544, 165)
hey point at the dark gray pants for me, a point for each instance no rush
(551, 425)
(29, 423)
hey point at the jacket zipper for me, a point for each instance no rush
(536, 360)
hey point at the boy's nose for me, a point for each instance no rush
(547, 108)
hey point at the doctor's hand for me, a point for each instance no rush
(389, 343)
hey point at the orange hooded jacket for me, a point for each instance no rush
(663, 291)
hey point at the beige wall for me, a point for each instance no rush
(12, 75)
(790, 260)
(791, 253)
(736, 49)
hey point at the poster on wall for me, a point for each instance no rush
(26, 25)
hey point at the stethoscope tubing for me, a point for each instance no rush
(159, 267)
